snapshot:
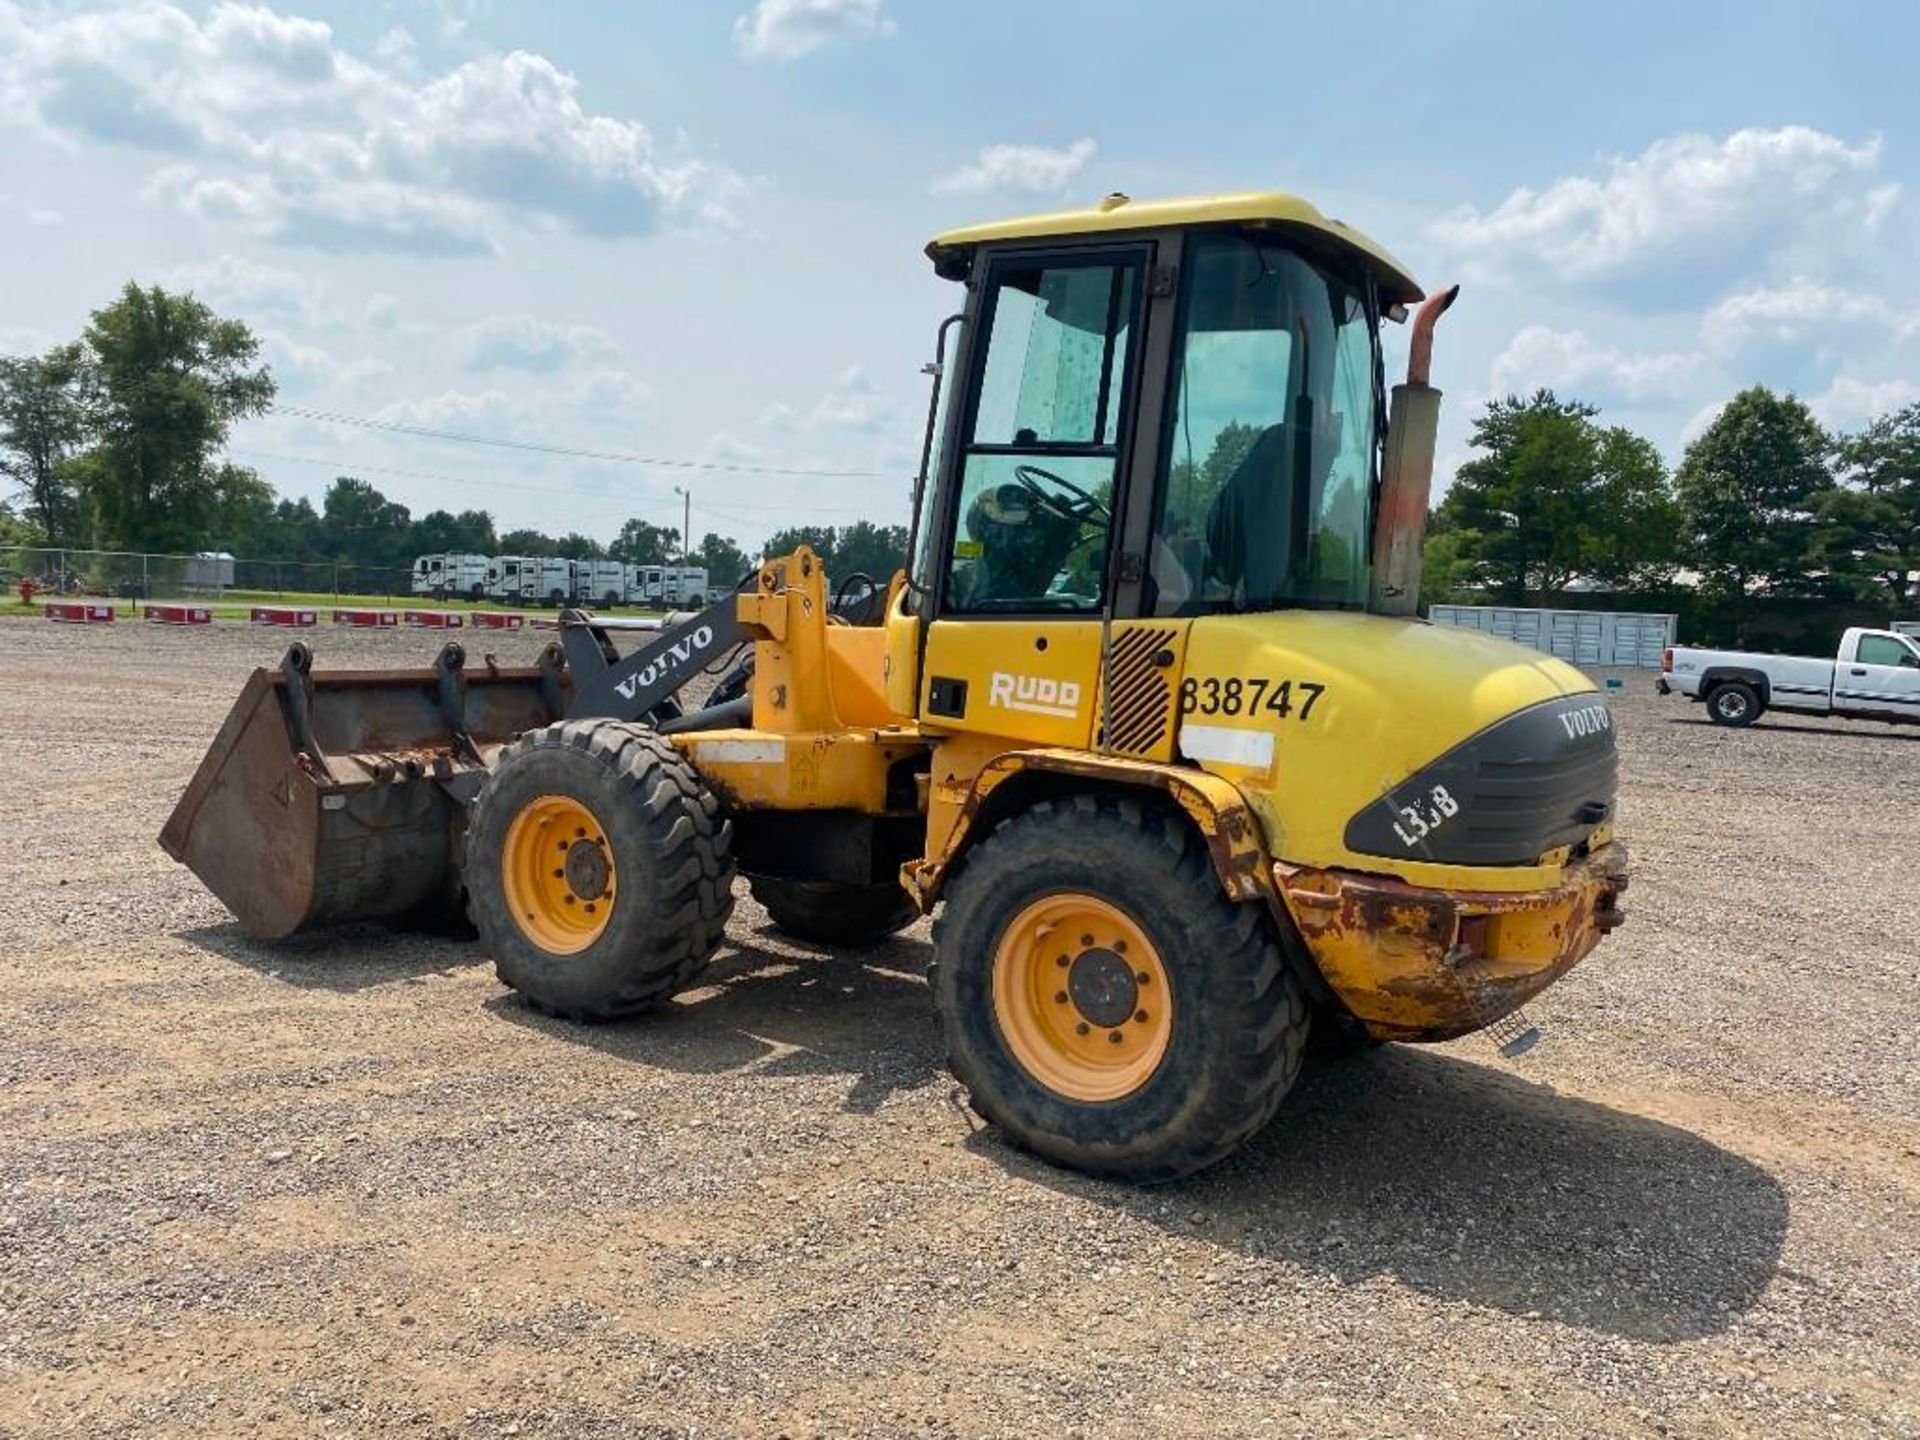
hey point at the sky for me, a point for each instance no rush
(694, 232)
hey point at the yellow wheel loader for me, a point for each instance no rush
(1146, 721)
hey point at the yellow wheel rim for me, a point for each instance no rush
(557, 870)
(1081, 997)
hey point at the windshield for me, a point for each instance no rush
(1266, 494)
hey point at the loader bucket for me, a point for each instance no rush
(338, 796)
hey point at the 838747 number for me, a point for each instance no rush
(1253, 695)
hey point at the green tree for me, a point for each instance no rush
(294, 534)
(528, 542)
(42, 421)
(1554, 497)
(866, 548)
(1867, 528)
(1445, 576)
(1748, 490)
(166, 379)
(722, 558)
(15, 531)
(361, 526)
(242, 514)
(441, 532)
(821, 537)
(641, 542)
(576, 546)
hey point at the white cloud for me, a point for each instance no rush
(272, 125)
(1568, 361)
(1790, 314)
(1690, 197)
(1033, 169)
(783, 30)
(300, 367)
(397, 48)
(853, 403)
(1847, 403)
(249, 291)
(523, 342)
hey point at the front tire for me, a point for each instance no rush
(1040, 956)
(824, 913)
(599, 869)
(1735, 704)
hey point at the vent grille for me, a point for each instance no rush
(1136, 714)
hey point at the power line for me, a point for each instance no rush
(394, 427)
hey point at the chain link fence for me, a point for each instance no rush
(124, 575)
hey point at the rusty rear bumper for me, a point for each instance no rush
(1413, 963)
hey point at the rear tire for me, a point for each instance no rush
(825, 913)
(1734, 704)
(651, 836)
(1233, 1014)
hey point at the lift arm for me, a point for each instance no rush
(610, 686)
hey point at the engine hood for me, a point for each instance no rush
(1335, 725)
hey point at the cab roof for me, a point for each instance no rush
(1117, 214)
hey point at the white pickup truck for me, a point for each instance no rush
(1875, 677)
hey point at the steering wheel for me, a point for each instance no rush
(1076, 505)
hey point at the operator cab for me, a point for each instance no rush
(1168, 409)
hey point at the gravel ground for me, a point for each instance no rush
(351, 1186)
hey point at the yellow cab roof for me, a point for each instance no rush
(1117, 214)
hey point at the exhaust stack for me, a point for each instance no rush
(1406, 480)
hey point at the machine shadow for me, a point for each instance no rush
(860, 1013)
(348, 959)
(1467, 1184)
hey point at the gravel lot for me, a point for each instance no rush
(351, 1186)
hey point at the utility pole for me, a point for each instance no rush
(686, 524)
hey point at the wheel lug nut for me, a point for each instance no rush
(559, 874)
(567, 898)
(1142, 977)
(1119, 947)
(1140, 1017)
(1114, 1036)
(1060, 997)
(1081, 1028)
(1063, 962)
(1086, 942)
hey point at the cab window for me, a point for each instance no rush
(1266, 489)
(1885, 650)
(1035, 500)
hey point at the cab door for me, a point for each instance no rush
(1026, 518)
(1883, 679)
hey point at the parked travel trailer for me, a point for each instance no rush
(600, 582)
(454, 574)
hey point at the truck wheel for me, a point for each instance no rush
(1107, 1006)
(599, 869)
(556, 598)
(1735, 704)
(609, 600)
(825, 913)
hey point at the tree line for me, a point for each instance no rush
(1766, 504)
(114, 442)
